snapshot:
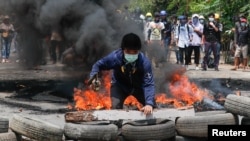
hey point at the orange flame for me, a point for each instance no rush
(183, 92)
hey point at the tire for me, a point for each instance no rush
(152, 129)
(245, 121)
(197, 126)
(9, 136)
(34, 128)
(103, 132)
(4, 125)
(209, 113)
(239, 105)
(182, 138)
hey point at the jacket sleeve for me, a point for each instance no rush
(149, 85)
(105, 63)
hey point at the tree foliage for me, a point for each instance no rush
(226, 8)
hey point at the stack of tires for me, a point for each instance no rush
(239, 105)
(5, 133)
(152, 129)
(184, 128)
(34, 128)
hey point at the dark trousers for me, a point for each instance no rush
(214, 48)
(53, 45)
(196, 50)
(184, 55)
(118, 96)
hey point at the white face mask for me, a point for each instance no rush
(211, 19)
(131, 57)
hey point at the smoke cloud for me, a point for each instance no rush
(95, 27)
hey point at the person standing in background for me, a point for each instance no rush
(195, 44)
(166, 33)
(7, 33)
(183, 37)
(210, 40)
(155, 42)
(56, 46)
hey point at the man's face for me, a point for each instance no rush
(211, 18)
(195, 20)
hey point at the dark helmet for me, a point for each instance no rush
(156, 14)
(131, 41)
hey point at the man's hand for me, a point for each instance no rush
(147, 109)
(96, 84)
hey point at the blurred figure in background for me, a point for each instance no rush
(56, 46)
(166, 33)
(195, 44)
(156, 49)
(7, 34)
(242, 34)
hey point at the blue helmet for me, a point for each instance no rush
(181, 17)
(163, 13)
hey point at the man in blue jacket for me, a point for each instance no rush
(131, 75)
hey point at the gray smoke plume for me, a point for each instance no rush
(95, 27)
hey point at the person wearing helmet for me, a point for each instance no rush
(183, 37)
(242, 39)
(166, 33)
(202, 19)
(217, 21)
(146, 22)
(7, 32)
(131, 74)
(155, 41)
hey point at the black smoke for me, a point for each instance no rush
(95, 27)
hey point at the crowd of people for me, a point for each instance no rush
(194, 35)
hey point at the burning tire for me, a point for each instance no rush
(196, 126)
(91, 131)
(153, 129)
(35, 128)
(238, 105)
(9, 136)
(4, 125)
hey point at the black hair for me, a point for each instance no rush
(211, 14)
(131, 41)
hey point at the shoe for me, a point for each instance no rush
(197, 68)
(204, 69)
(186, 67)
(216, 69)
(3, 60)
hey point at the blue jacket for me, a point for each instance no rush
(141, 78)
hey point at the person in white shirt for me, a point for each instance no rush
(155, 42)
(195, 44)
(183, 38)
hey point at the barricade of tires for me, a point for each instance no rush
(5, 133)
(191, 128)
